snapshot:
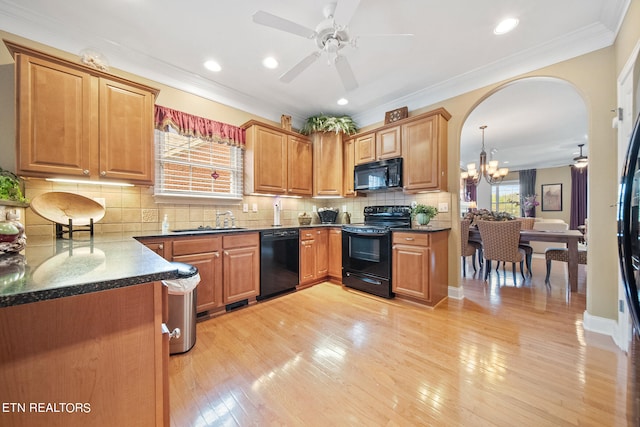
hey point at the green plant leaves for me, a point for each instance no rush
(325, 123)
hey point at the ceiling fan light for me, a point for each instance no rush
(343, 101)
(505, 26)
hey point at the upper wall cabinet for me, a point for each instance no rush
(277, 161)
(380, 145)
(424, 152)
(327, 164)
(77, 121)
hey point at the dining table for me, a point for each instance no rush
(568, 237)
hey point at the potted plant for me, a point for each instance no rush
(325, 123)
(423, 213)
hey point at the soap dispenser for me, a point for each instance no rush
(165, 224)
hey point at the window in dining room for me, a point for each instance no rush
(505, 197)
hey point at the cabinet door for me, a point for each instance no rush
(388, 143)
(209, 290)
(327, 164)
(270, 160)
(126, 132)
(424, 144)
(241, 273)
(335, 253)
(300, 164)
(410, 269)
(365, 148)
(348, 157)
(307, 261)
(57, 125)
(322, 253)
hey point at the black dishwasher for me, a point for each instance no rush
(279, 258)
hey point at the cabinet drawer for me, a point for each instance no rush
(196, 245)
(421, 239)
(308, 233)
(240, 240)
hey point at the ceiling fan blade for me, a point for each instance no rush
(344, 11)
(273, 21)
(346, 73)
(299, 67)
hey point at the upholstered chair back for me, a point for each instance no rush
(466, 248)
(500, 240)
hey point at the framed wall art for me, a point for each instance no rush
(552, 197)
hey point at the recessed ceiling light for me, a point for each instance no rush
(270, 62)
(212, 65)
(505, 26)
(343, 101)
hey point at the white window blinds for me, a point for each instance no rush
(190, 166)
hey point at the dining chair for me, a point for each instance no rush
(562, 255)
(467, 248)
(500, 242)
(527, 224)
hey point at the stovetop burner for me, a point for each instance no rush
(379, 219)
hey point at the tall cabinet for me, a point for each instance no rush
(76, 121)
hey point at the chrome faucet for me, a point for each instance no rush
(226, 220)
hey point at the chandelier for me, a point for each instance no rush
(490, 171)
(581, 161)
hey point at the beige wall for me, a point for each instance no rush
(560, 175)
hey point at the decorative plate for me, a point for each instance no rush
(59, 207)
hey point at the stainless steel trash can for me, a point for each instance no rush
(182, 307)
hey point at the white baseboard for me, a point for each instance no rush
(456, 292)
(604, 326)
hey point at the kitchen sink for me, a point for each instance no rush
(207, 229)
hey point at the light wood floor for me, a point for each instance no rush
(326, 356)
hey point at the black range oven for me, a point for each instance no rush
(366, 249)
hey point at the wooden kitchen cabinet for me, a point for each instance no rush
(277, 161)
(335, 254)
(76, 121)
(365, 148)
(348, 159)
(241, 266)
(424, 148)
(388, 143)
(203, 252)
(327, 164)
(102, 349)
(314, 255)
(420, 266)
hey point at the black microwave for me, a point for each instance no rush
(380, 175)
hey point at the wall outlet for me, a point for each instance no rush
(245, 207)
(314, 208)
(254, 207)
(443, 207)
(344, 208)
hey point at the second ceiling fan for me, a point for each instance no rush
(331, 35)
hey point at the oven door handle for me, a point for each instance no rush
(355, 233)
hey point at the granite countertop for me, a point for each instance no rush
(51, 268)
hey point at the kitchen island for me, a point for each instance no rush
(81, 339)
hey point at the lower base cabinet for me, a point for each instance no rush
(241, 267)
(107, 364)
(314, 256)
(420, 266)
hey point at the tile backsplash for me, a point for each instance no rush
(134, 209)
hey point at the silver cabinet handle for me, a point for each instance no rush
(172, 334)
(216, 255)
(103, 173)
(409, 239)
(86, 171)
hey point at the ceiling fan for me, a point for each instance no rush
(331, 35)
